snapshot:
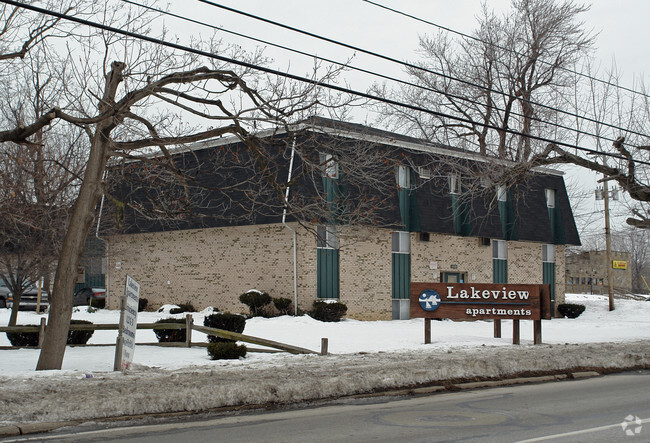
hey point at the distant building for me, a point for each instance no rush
(586, 272)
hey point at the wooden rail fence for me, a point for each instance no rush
(188, 325)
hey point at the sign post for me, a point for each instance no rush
(481, 301)
(128, 325)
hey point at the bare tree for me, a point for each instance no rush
(144, 108)
(637, 243)
(501, 86)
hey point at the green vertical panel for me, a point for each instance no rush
(327, 273)
(414, 216)
(548, 273)
(461, 214)
(403, 195)
(507, 216)
(551, 217)
(558, 232)
(455, 210)
(401, 268)
(499, 271)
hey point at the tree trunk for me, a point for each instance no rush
(14, 310)
(81, 220)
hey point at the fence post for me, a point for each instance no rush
(323, 346)
(188, 330)
(41, 333)
(515, 332)
(497, 328)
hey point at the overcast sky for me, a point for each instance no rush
(621, 26)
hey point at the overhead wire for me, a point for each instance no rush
(290, 76)
(472, 37)
(358, 69)
(411, 65)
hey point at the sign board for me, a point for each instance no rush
(619, 264)
(128, 325)
(480, 301)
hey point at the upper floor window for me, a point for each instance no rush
(548, 253)
(328, 237)
(550, 198)
(499, 250)
(401, 242)
(454, 183)
(329, 165)
(502, 193)
(403, 177)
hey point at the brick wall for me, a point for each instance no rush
(208, 267)
(212, 267)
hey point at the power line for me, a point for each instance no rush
(410, 65)
(462, 34)
(287, 75)
(358, 69)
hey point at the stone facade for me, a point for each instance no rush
(586, 272)
(212, 267)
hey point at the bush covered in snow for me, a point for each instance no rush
(331, 312)
(227, 321)
(171, 335)
(183, 307)
(570, 310)
(78, 337)
(256, 301)
(224, 351)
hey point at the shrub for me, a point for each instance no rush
(222, 351)
(570, 310)
(227, 321)
(171, 335)
(79, 337)
(283, 305)
(256, 301)
(330, 312)
(22, 339)
(183, 307)
(142, 304)
(97, 303)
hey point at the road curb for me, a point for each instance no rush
(35, 428)
(584, 374)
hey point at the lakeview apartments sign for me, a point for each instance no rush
(480, 301)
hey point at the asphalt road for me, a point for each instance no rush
(603, 409)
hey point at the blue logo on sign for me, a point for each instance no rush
(429, 300)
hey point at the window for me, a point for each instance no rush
(499, 261)
(403, 177)
(550, 198)
(502, 193)
(454, 184)
(329, 165)
(401, 242)
(328, 237)
(548, 253)
(499, 250)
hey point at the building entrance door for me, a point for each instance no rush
(453, 277)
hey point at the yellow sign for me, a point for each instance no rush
(619, 264)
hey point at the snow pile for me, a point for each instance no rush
(365, 356)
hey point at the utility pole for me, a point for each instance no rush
(608, 246)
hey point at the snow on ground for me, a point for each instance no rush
(365, 356)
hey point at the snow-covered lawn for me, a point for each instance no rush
(630, 321)
(365, 357)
